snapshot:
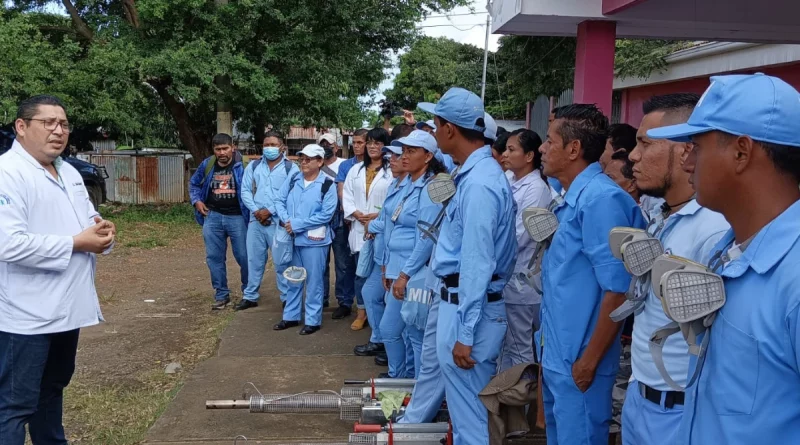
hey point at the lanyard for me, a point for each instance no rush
(722, 257)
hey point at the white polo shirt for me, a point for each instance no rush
(45, 287)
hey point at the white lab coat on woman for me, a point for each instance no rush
(354, 198)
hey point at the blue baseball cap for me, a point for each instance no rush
(763, 107)
(418, 138)
(491, 127)
(459, 107)
(421, 125)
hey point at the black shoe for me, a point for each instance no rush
(244, 305)
(221, 304)
(384, 375)
(382, 359)
(325, 303)
(368, 350)
(341, 312)
(285, 325)
(308, 329)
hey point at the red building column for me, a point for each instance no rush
(594, 64)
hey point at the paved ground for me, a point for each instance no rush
(276, 362)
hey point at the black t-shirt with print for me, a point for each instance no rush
(222, 195)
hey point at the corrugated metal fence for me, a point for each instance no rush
(138, 178)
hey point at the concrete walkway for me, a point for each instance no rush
(275, 362)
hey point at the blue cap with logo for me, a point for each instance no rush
(459, 107)
(491, 127)
(763, 107)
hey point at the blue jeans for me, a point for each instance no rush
(216, 231)
(345, 265)
(313, 260)
(259, 240)
(395, 333)
(374, 302)
(34, 370)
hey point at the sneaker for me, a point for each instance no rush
(369, 349)
(221, 304)
(244, 305)
(341, 312)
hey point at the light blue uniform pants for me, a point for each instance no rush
(374, 302)
(395, 334)
(469, 416)
(645, 423)
(313, 259)
(430, 383)
(259, 241)
(522, 323)
(573, 417)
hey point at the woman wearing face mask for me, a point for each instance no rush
(362, 197)
(261, 186)
(373, 291)
(305, 208)
(409, 252)
(523, 160)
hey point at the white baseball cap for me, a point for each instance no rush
(313, 151)
(327, 137)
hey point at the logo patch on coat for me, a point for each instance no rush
(5, 200)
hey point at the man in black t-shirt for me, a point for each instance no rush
(215, 191)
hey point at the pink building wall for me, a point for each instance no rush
(633, 98)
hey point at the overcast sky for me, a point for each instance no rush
(461, 24)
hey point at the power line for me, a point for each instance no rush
(454, 15)
(452, 26)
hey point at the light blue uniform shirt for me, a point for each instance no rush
(692, 233)
(408, 250)
(383, 225)
(268, 185)
(578, 269)
(748, 391)
(306, 208)
(477, 238)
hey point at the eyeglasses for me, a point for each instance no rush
(52, 124)
(306, 160)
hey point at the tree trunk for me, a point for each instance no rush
(80, 26)
(196, 142)
(223, 83)
(131, 13)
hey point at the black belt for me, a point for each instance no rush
(452, 297)
(671, 398)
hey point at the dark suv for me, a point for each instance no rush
(94, 176)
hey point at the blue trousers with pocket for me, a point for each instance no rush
(259, 242)
(573, 417)
(313, 260)
(374, 302)
(645, 423)
(430, 383)
(34, 370)
(217, 228)
(396, 335)
(469, 416)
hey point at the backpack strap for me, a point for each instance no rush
(326, 186)
(255, 165)
(210, 165)
(288, 164)
(328, 171)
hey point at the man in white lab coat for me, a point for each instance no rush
(49, 235)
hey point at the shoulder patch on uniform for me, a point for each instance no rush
(5, 200)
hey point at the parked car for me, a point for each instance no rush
(94, 176)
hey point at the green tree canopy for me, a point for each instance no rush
(128, 64)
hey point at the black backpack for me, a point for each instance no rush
(324, 189)
(286, 163)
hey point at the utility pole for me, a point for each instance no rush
(485, 54)
(223, 82)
